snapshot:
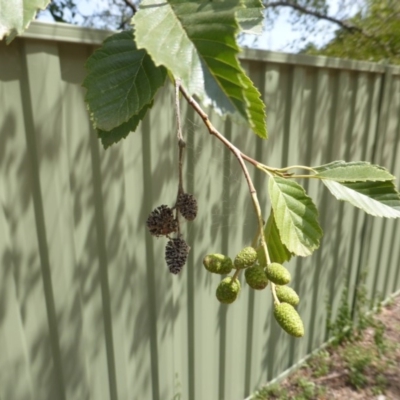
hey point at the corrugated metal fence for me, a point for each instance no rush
(87, 307)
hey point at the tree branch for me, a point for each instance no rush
(304, 10)
(131, 5)
(181, 142)
(351, 28)
(240, 157)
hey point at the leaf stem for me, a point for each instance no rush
(236, 274)
(273, 290)
(304, 176)
(294, 167)
(213, 131)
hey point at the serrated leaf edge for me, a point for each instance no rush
(306, 250)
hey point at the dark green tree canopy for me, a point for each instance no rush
(375, 36)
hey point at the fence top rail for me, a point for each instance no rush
(60, 32)
(70, 33)
(317, 61)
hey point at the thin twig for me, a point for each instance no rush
(181, 142)
(295, 167)
(304, 10)
(181, 147)
(273, 291)
(349, 27)
(239, 155)
(294, 176)
(236, 274)
(212, 130)
(132, 6)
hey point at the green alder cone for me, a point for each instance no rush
(246, 258)
(228, 290)
(278, 274)
(256, 277)
(287, 295)
(218, 264)
(289, 320)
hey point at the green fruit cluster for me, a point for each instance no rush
(286, 294)
(228, 290)
(256, 277)
(289, 320)
(218, 264)
(278, 274)
(246, 258)
(257, 274)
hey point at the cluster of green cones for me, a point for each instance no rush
(257, 275)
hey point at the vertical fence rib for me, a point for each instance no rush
(366, 238)
(103, 273)
(40, 223)
(147, 188)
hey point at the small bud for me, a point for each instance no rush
(278, 274)
(187, 205)
(218, 264)
(287, 295)
(228, 290)
(289, 320)
(256, 277)
(246, 258)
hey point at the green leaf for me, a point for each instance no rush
(296, 216)
(196, 41)
(108, 138)
(15, 16)
(277, 250)
(379, 199)
(121, 81)
(357, 171)
(250, 17)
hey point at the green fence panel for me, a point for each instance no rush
(88, 309)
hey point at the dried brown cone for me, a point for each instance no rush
(161, 221)
(176, 252)
(187, 205)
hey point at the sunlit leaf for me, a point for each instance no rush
(380, 199)
(196, 41)
(250, 16)
(276, 249)
(15, 16)
(121, 81)
(295, 215)
(356, 171)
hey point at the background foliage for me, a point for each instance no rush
(366, 29)
(376, 38)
